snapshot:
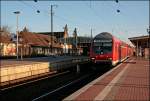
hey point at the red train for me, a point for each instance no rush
(105, 48)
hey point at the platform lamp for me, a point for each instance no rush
(117, 1)
(52, 33)
(17, 32)
(148, 31)
(21, 41)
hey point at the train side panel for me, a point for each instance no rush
(115, 51)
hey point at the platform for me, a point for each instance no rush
(13, 69)
(51, 59)
(128, 81)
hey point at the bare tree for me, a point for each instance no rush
(25, 29)
(5, 30)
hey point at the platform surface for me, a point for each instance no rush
(10, 62)
(128, 81)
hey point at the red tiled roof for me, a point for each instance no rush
(35, 39)
(56, 34)
(32, 39)
(46, 39)
(5, 39)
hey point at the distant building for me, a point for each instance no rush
(142, 45)
(83, 44)
(44, 43)
(39, 44)
(80, 44)
(58, 35)
(65, 48)
(7, 47)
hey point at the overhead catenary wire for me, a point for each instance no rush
(46, 13)
(31, 6)
(94, 12)
(99, 18)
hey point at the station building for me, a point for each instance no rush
(142, 45)
(7, 47)
(80, 44)
(45, 43)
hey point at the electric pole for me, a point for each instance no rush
(91, 34)
(148, 31)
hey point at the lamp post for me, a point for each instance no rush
(17, 13)
(52, 33)
(21, 41)
(148, 31)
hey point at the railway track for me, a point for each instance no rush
(28, 81)
(59, 89)
(51, 88)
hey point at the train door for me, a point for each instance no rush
(119, 53)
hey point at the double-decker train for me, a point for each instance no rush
(105, 48)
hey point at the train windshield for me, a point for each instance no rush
(102, 46)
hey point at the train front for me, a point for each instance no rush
(101, 48)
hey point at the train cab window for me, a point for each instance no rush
(102, 47)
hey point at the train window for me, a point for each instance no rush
(101, 40)
(107, 44)
(102, 43)
(102, 47)
(102, 50)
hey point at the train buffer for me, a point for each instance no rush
(129, 81)
(12, 69)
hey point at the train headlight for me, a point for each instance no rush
(110, 58)
(93, 58)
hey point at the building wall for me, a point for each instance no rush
(8, 49)
(146, 53)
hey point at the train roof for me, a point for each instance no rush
(107, 35)
(103, 35)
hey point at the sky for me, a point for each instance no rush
(100, 16)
